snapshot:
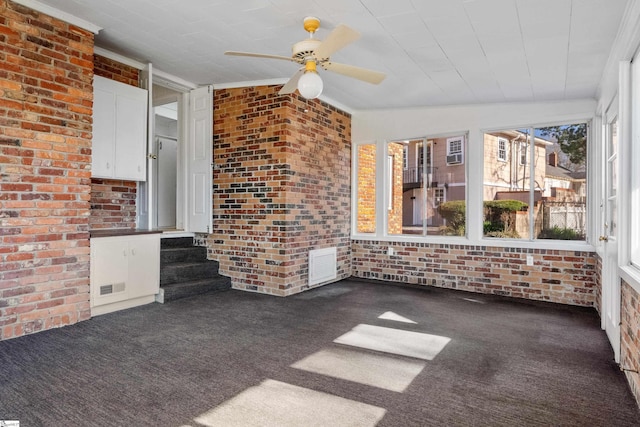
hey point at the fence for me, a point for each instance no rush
(565, 215)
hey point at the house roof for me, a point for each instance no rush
(434, 52)
(560, 172)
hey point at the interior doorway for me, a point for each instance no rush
(167, 141)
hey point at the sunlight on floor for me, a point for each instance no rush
(376, 370)
(394, 341)
(274, 403)
(390, 315)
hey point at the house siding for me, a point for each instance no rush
(281, 187)
(46, 72)
(566, 277)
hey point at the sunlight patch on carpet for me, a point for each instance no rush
(375, 370)
(390, 315)
(394, 341)
(274, 403)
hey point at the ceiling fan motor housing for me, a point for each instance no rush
(304, 49)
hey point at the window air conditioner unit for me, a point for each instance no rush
(454, 159)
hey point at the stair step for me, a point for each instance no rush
(188, 271)
(190, 254)
(176, 242)
(179, 290)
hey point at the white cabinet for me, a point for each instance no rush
(119, 130)
(125, 272)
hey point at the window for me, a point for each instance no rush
(454, 150)
(405, 157)
(502, 149)
(542, 196)
(417, 200)
(523, 153)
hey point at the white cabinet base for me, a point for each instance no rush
(125, 272)
(122, 305)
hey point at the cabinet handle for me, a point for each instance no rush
(124, 252)
(108, 165)
(133, 251)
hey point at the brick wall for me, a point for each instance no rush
(281, 187)
(566, 277)
(46, 70)
(366, 221)
(113, 201)
(630, 338)
(394, 225)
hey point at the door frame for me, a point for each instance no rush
(609, 238)
(147, 191)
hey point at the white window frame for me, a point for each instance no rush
(522, 153)
(456, 142)
(502, 149)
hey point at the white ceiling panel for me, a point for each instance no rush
(433, 51)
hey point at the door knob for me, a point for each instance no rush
(603, 238)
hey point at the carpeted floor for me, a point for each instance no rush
(351, 353)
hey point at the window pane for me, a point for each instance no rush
(431, 178)
(366, 217)
(507, 183)
(563, 206)
(539, 192)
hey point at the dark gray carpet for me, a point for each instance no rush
(509, 362)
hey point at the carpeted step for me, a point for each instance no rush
(176, 242)
(191, 288)
(188, 271)
(189, 254)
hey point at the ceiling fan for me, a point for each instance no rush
(312, 52)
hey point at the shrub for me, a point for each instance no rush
(558, 233)
(455, 212)
(499, 215)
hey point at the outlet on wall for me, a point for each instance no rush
(529, 259)
(390, 250)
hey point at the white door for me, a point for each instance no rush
(199, 160)
(610, 278)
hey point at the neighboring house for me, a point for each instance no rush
(507, 161)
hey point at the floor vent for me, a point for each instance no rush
(323, 265)
(111, 288)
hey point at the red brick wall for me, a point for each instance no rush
(394, 225)
(630, 338)
(113, 201)
(366, 216)
(281, 187)
(46, 70)
(566, 277)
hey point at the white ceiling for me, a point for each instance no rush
(435, 52)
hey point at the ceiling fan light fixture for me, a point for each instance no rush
(310, 84)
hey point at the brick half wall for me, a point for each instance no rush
(566, 277)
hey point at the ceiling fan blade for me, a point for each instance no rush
(292, 84)
(259, 55)
(363, 74)
(336, 40)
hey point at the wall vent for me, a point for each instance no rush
(323, 265)
(111, 288)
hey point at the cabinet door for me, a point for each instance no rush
(130, 135)
(109, 270)
(119, 130)
(104, 127)
(144, 265)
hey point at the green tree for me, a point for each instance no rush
(572, 140)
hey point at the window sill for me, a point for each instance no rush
(561, 245)
(631, 275)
